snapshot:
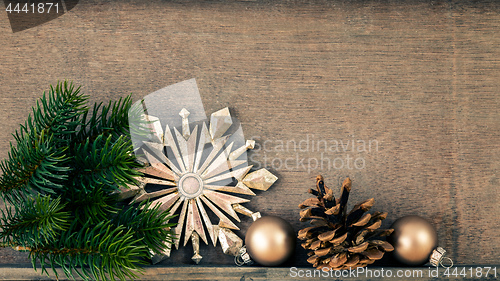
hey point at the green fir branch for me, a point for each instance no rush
(67, 162)
(149, 222)
(56, 113)
(38, 161)
(106, 163)
(92, 206)
(33, 222)
(34, 165)
(102, 252)
(111, 119)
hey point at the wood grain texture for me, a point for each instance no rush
(419, 80)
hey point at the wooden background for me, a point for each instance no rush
(420, 78)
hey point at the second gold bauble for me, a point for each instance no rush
(413, 239)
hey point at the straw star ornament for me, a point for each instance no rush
(197, 171)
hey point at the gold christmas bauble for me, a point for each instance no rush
(270, 240)
(414, 239)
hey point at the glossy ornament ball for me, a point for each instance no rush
(270, 240)
(413, 239)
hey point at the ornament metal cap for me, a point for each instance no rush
(243, 257)
(437, 257)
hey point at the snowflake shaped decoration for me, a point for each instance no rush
(194, 177)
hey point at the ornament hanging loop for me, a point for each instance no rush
(449, 266)
(243, 257)
(437, 258)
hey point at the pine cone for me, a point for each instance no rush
(337, 239)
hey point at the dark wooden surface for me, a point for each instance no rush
(420, 78)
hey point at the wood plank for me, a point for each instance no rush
(265, 273)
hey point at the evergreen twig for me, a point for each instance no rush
(33, 222)
(59, 181)
(149, 222)
(103, 251)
